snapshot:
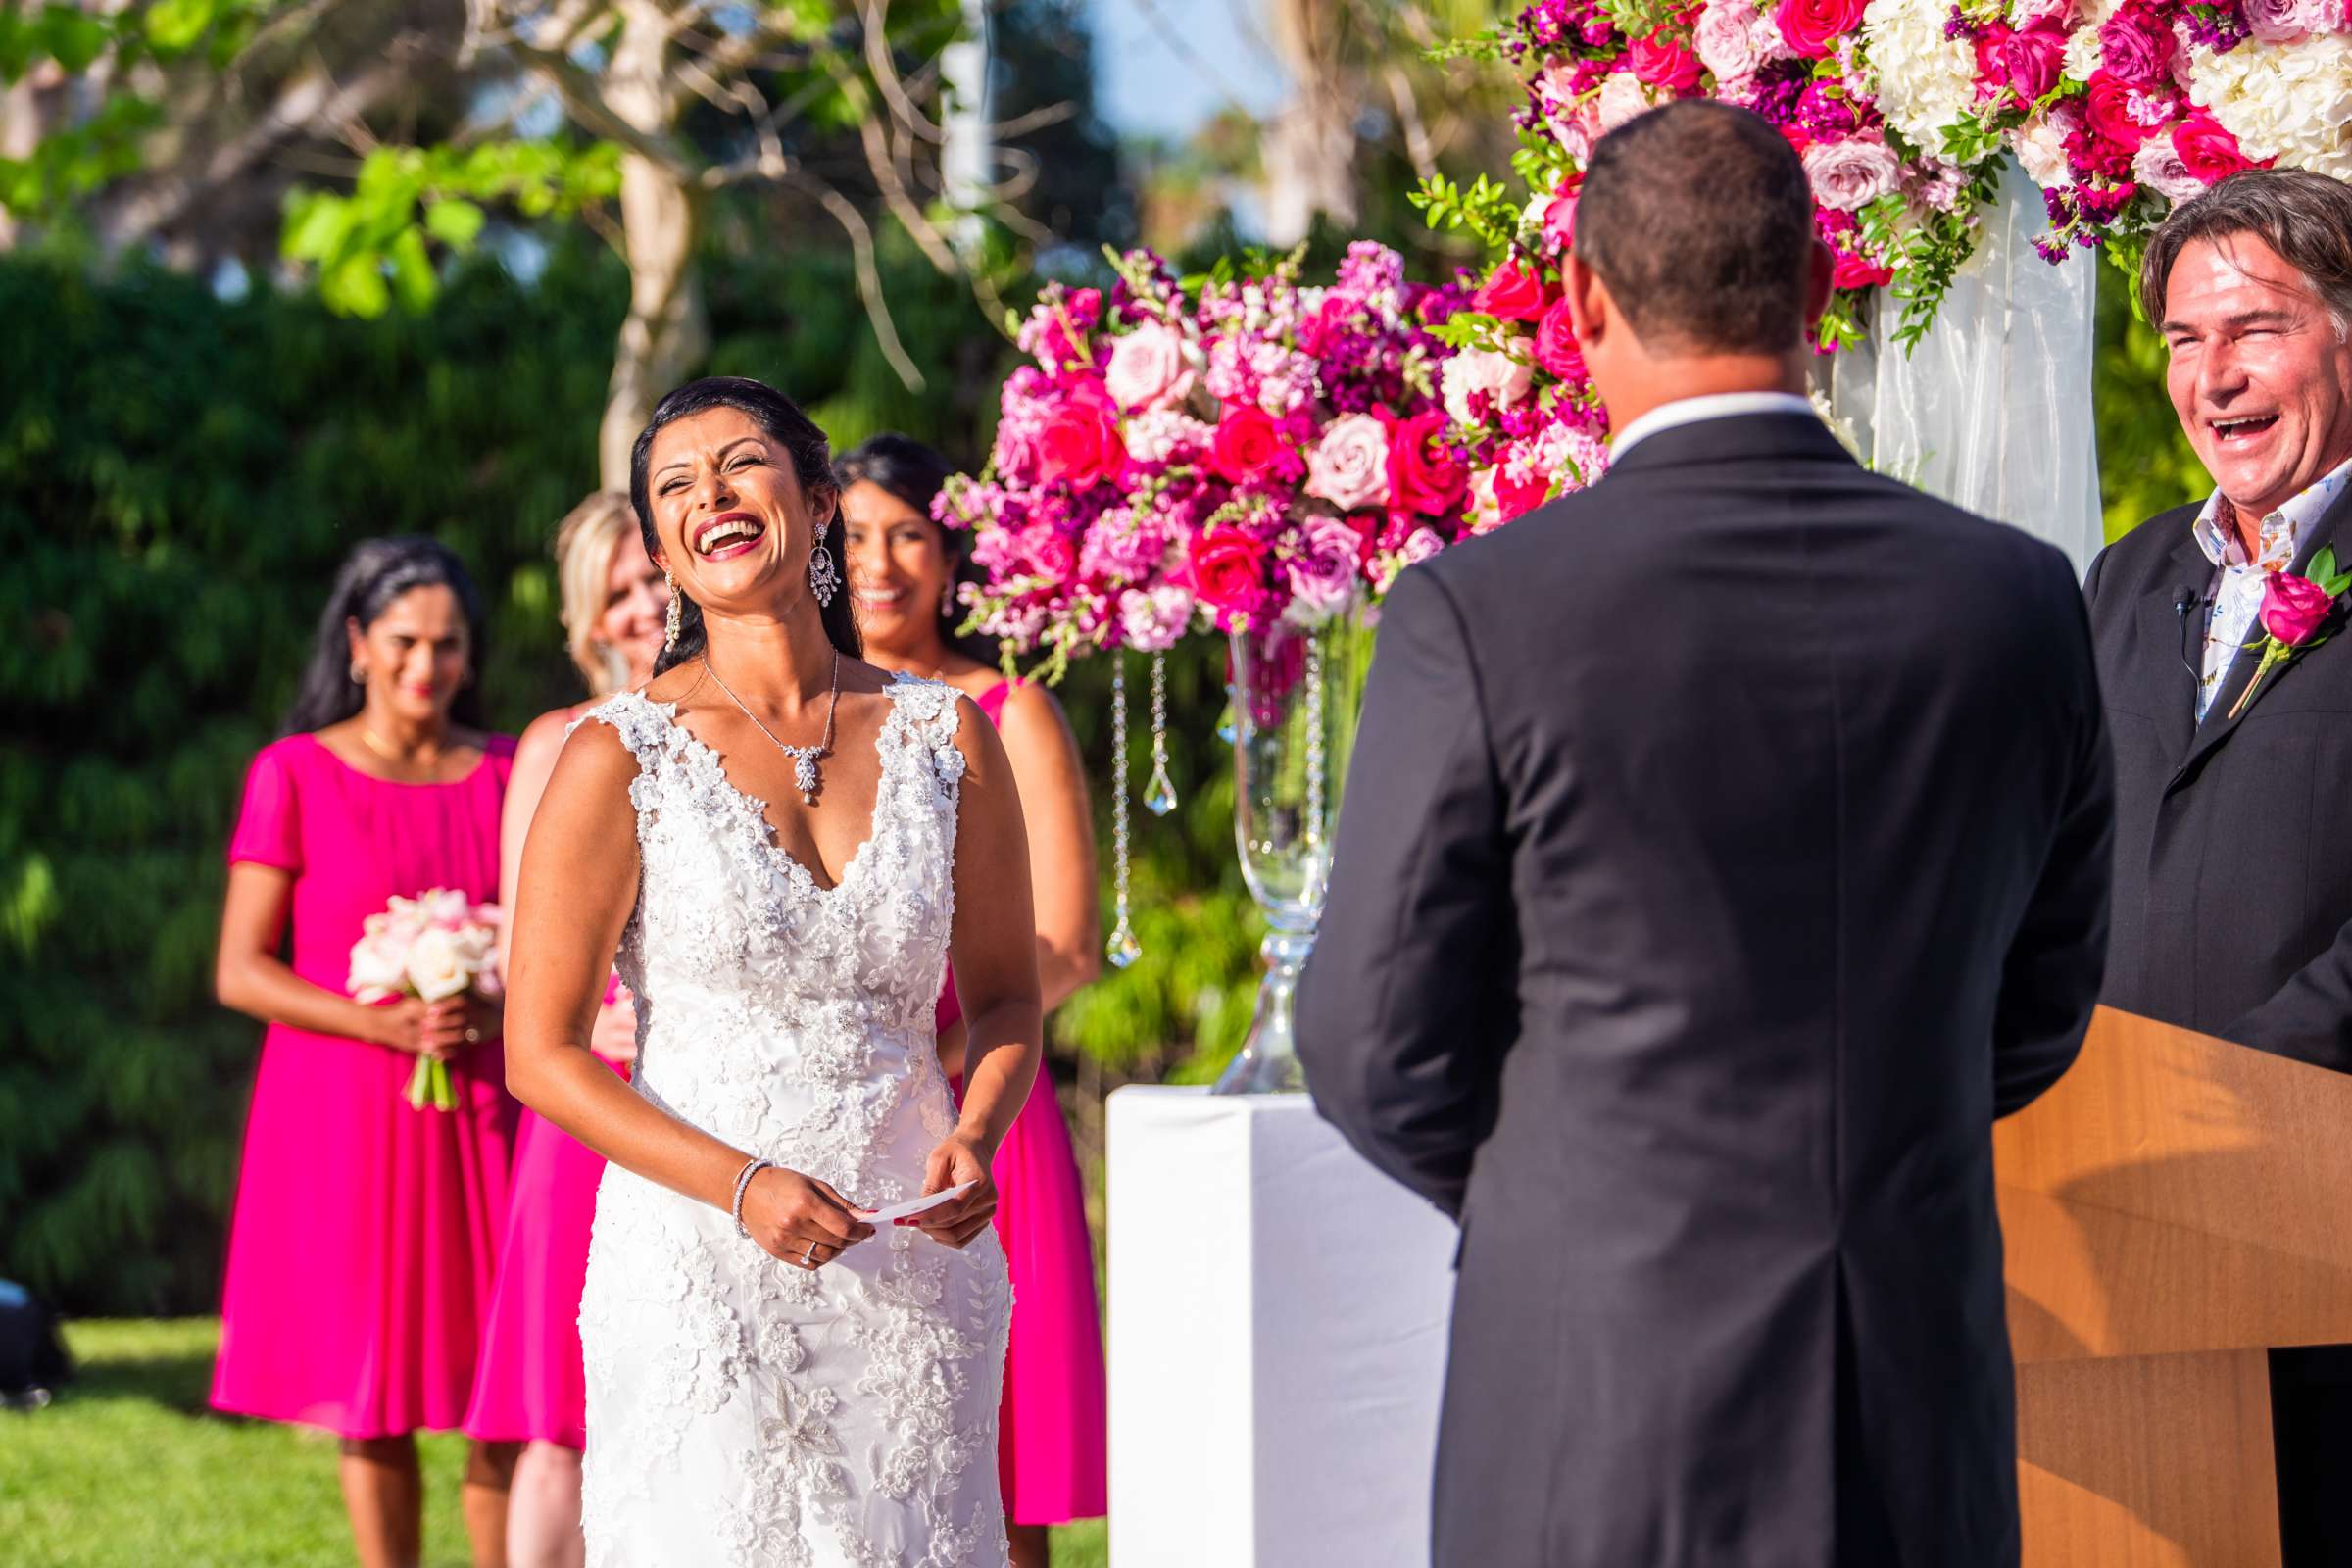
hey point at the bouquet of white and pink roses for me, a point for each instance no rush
(1230, 452)
(434, 947)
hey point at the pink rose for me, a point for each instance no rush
(1556, 347)
(1080, 442)
(1424, 475)
(1322, 573)
(1474, 373)
(1514, 293)
(1147, 368)
(2286, 21)
(1559, 223)
(2135, 47)
(2292, 608)
(1229, 569)
(2207, 149)
(1855, 271)
(1851, 174)
(1724, 40)
(1812, 28)
(1664, 61)
(1246, 446)
(2158, 165)
(2029, 60)
(1349, 465)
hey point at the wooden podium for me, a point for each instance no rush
(2173, 1207)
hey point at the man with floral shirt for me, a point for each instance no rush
(2229, 695)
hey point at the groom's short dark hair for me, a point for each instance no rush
(1699, 218)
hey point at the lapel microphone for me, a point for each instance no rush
(2185, 598)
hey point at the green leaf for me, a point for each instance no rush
(71, 37)
(354, 285)
(316, 224)
(175, 24)
(455, 224)
(412, 274)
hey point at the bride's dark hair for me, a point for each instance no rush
(811, 463)
(377, 572)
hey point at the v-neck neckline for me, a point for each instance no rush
(761, 827)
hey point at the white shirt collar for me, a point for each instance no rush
(1715, 405)
(2281, 534)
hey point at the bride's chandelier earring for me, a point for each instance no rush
(946, 600)
(824, 579)
(669, 636)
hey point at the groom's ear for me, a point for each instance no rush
(1590, 309)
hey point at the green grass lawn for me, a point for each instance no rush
(130, 1470)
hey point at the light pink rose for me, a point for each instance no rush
(2159, 166)
(1322, 573)
(1149, 368)
(1726, 42)
(1162, 433)
(2041, 149)
(1851, 174)
(1503, 380)
(1621, 97)
(2284, 20)
(1349, 468)
(1420, 545)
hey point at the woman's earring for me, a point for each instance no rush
(823, 581)
(359, 675)
(946, 600)
(670, 639)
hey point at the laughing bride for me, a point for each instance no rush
(786, 845)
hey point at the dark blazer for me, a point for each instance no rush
(1725, 847)
(2234, 836)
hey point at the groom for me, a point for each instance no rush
(1726, 847)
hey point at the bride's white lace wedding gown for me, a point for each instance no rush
(742, 1410)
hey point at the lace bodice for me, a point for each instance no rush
(742, 1410)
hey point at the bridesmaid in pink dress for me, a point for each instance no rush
(365, 1234)
(901, 572)
(530, 1389)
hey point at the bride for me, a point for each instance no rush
(786, 845)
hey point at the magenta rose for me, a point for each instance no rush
(1247, 444)
(1812, 28)
(1556, 347)
(1080, 443)
(2107, 112)
(1664, 61)
(1856, 272)
(1515, 293)
(2207, 149)
(2029, 58)
(2136, 46)
(1559, 223)
(1229, 571)
(1424, 475)
(1516, 498)
(2292, 608)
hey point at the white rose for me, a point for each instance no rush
(1349, 465)
(1504, 379)
(437, 964)
(378, 966)
(1149, 367)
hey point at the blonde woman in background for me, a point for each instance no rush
(530, 1388)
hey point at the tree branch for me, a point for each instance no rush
(869, 276)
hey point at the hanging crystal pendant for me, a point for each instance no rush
(1159, 797)
(1122, 948)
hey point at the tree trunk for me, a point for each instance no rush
(1310, 148)
(664, 336)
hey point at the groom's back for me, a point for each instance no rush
(1783, 750)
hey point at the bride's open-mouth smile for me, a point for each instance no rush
(728, 535)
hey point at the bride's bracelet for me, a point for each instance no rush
(743, 1185)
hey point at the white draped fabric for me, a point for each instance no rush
(1993, 410)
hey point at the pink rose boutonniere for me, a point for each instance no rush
(2294, 611)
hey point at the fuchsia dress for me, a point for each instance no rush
(1051, 1434)
(531, 1387)
(366, 1236)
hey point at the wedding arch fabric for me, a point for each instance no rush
(1993, 410)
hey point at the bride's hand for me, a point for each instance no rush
(799, 1219)
(956, 1161)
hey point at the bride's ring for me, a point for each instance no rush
(810, 1256)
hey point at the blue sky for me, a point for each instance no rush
(1163, 67)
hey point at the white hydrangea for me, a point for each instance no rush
(2291, 102)
(1924, 80)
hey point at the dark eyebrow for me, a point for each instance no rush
(2243, 319)
(723, 453)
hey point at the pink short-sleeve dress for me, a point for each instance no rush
(1052, 1431)
(364, 1240)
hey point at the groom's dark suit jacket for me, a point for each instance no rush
(1725, 847)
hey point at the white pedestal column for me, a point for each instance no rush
(1278, 1321)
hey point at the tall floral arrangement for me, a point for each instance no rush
(1223, 452)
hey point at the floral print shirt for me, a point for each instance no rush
(2236, 597)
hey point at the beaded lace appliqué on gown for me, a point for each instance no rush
(740, 1410)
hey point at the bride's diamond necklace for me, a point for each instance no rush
(804, 758)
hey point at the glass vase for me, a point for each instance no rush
(1296, 696)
